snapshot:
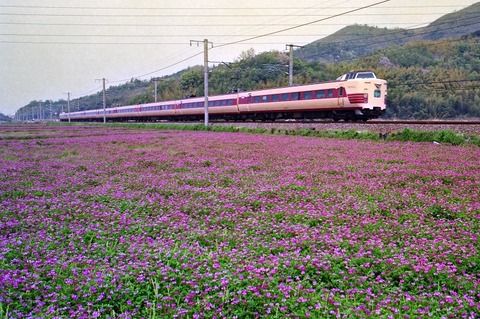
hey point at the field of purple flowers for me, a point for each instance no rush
(121, 223)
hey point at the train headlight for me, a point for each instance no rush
(365, 98)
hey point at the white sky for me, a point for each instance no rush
(50, 47)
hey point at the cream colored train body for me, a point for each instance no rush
(357, 95)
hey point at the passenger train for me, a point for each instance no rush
(356, 95)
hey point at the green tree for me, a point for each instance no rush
(191, 82)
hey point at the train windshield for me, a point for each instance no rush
(357, 75)
(365, 75)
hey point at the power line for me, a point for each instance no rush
(223, 25)
(181, 35)
(90, 43)
(139, 35)
(244, 40)
(220, 15)
(304, 24)
(203, 8)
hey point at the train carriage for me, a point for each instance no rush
(357, 95)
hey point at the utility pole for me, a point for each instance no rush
(68, 105)
(104, 101)
(290, 72)
(205, 68)
(156, 83)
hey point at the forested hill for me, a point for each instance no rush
(355, 41)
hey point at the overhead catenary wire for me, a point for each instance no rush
(199, 15)
(136, 24)
(393, 32)
(200, 8)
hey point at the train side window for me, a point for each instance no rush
(285, 97)
(257, 99)
(307, 95)
(295, 96)
(330, 93)
(341, 91)
(265, 98)
(224, 102)
(320, 94)
(275, 98)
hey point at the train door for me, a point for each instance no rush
(341, 96)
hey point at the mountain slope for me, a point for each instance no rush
(355, 41)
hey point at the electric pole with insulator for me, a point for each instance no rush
(68, 105)
(205, 68)
(290, 72)
(104, 101)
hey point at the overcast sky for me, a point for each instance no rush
(51, 47)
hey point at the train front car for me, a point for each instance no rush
(366, 95)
